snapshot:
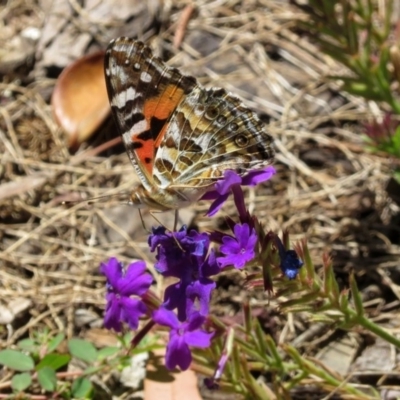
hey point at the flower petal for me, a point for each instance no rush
(199, 338)
(242, 233)
(253, 178)
(112, 318)
(199, 292)
(135, 281)
(210, 266)
(112, 270)
(229, 246)
(217, 204)
(237, 260)
(175, 298)
(178, 353)
(131, 310)
(195, 321)
(252, 240)
(165, 317)
(223, 186)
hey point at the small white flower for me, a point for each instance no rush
(133, 375)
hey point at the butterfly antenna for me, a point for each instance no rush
(90, 201)
(169, 230)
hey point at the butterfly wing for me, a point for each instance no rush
(143, 94)
(179, 136)
(210, 132)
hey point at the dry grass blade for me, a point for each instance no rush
(327, 187)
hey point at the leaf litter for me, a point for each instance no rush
(328, 188)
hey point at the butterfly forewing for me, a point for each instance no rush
(143, 93)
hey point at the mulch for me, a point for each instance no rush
(328, 188)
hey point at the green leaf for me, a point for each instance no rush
(28, 345)
(83, 350)
(55, 342)
(107, 352)
(47, 379)
(357, 299)
(54, 361)
(21, 382)
(396, 176)
(126, 339)
(93, 370)
(396, 142)
(81, 388)
(16, 360)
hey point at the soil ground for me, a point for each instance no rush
(328, 187)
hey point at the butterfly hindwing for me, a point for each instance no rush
(209, 132)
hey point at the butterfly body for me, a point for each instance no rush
(179, 136)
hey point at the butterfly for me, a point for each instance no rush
(180, 136)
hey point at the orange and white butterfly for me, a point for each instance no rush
(180, 136)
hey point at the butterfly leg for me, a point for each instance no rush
(143, 223)
(175, 226)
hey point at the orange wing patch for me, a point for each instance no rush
(162, 107)
(156, 112)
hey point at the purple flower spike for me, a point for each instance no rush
(240, 249)
(120, 307)
(231, 179)
(183, 255)
(181, 336)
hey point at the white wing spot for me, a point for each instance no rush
(136, 66)
(139, 127)
(145, 77)
(123, 97)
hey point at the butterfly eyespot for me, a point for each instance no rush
(199, 109)
(212, 112)
(233, 127)
(241, 141)
(221, 119)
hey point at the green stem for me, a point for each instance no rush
(378, 331)
(325, 376)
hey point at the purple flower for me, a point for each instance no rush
(181, 336)
(290, 262)
(120, 307)
(213, 382)
(170, 254)
(240, 249)
(183, 255)
(229, 182)
(193, 291)
(175, 250)
(198, 292)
